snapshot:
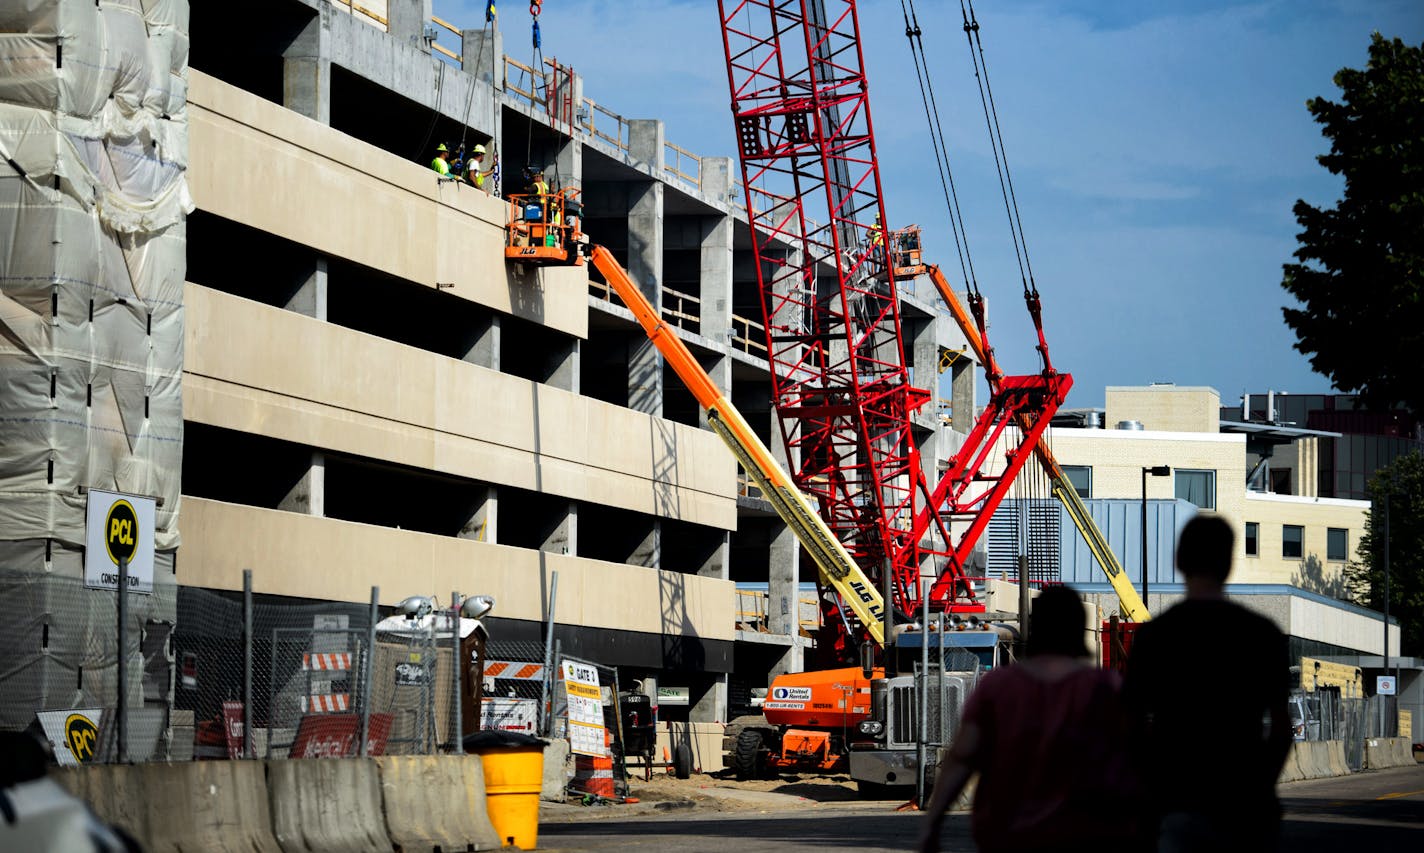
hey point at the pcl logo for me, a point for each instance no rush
(121, 531)
(81, 736)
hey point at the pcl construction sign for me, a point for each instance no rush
(118, 527)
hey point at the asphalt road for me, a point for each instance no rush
(1373, 811)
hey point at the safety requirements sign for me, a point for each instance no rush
(585, 710)
(118, 527)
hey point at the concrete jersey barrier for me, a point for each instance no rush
(436, 801)
(218, 806)
(1385, 752)
(329, 805)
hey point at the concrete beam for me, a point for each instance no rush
(716, 277)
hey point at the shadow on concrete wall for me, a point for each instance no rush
(1315, 576)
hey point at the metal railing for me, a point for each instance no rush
(676, 159)
(682, 309)
(436, 46)
(753, 612)
(588, 119)
(749, 336)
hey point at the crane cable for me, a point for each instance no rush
(996, 142)
(941, 149)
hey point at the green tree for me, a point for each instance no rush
(1402, 484)
(1361, 262)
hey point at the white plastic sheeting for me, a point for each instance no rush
(93, 149)
(93, 136)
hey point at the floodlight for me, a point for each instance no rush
(477, 606)
(416, 606)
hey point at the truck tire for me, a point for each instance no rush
(747, 758)
(682, 761)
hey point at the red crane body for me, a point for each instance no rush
(841, 388)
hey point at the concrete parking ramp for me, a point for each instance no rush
(218, 806)
(436, 802)
(1382, 752)
(327, 806)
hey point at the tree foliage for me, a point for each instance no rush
(1361, 262)
(1402, 484)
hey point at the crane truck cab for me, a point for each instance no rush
(883, 748)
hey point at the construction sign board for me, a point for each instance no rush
(586, 734)
(118, 527)
(73, 734)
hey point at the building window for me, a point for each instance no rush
(1197, 487)
(1281, 481)
(1253, 539)
(1337, 544)
(1292, 541)
(1081, 476)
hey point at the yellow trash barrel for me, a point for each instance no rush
(514, 778)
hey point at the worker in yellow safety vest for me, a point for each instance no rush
(441, 163)
(474, 171)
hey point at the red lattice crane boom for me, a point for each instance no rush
(840, 384)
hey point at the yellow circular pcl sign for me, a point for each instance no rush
(121, 531)
(81, 736)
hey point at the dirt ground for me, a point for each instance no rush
(719, 792)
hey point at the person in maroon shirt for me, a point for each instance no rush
(1206, 693)
(1046, 738)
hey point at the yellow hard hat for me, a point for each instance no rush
(441, 147)
(479, 149)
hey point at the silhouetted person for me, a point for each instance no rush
(1206, 689)
(1046, 738)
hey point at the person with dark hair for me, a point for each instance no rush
(1206, 693)
(1046, 738)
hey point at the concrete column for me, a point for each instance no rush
(716, 277)
(306, 70)
(717, 177)
(794, 660)
(646, 142)
(784, 571)
(711, 706)
(721, 373)
(482, 55)
(408, 20)
(962, 385)
(717, 564)
(308, 494)
(645, 266)
(484, 343)
(563, 536)
(649, 552)
(562, 366)
(310, 296)
(483, 524)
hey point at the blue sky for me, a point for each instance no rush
(1157, 149)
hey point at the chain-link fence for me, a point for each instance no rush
(222, 675)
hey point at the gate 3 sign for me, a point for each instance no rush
(118, 527)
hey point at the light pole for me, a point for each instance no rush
(1156, 471)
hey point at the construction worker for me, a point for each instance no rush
(475, 172)
(441, 163)
(537, 185)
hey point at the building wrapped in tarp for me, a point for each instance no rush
(93, 199)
